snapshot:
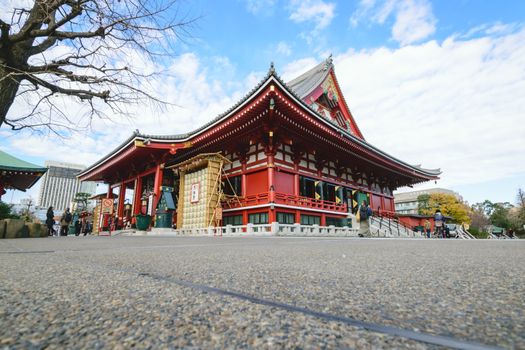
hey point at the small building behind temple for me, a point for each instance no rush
(408, 203)
(289, 153)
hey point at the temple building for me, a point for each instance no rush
(286, 152)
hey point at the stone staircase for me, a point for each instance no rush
(386, 227)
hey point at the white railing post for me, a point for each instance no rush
(274, 228)
(249, 228)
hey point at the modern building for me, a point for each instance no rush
(291, 153)
(407, 203)
(60, 184)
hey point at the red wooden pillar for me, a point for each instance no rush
(271, 186)
(121, 194)
(243, 180)
(296, 190)
(245, 217)
(157, 185)
(137, 194)
(109, 194)
(296, 182)
(323, 220)
(297, 217)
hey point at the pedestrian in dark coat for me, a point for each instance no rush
(50, 221)
(65, 220)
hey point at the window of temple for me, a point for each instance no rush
(233, 187)
(234, 220)
(285, 218)
(306, 187)
(310, 220)
(328, 192)
(258, 218)
(337, 222)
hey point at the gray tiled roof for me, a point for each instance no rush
(307, 82)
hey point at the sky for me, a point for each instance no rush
(436, 83)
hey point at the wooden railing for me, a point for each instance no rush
(286, 199)
(246, 201)
(282, 198)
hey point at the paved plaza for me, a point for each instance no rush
(266, 292)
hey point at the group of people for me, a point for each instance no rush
(440, 229)
(365, 212)
(82, 226)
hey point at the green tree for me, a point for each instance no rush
(81, 198)
(6, 211)
(449, 206)
(422, 203)
(500, 215)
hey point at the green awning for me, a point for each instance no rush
(18, 174)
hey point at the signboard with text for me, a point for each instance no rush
(194, 194)
(107, 206)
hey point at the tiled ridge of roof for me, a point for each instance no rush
(9, 162)
(308, 81)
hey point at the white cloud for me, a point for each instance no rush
(257, 7)
(317, 11)
(457, 105)
(283, 48)
(298, 67)
(414, 20)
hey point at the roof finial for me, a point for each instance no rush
(328, 62)
(272, 69)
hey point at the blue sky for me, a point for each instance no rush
(437, 83)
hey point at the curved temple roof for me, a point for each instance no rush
(17, 173)
(297, 88)
(304, 84)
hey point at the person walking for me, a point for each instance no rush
(83, 225)
(65, 220)
(439, 222)
(427, 228)
(50, 221)
(365, 212)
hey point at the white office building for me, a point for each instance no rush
(59, 185)
(407, 203)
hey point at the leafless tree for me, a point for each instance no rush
(78, 48)
(520, 198)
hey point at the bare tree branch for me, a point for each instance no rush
(95, 38)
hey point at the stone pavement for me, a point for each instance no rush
(266, 292)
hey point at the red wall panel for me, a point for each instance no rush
(257, 182)
(389, 204)
(375, 202)
(284, 182)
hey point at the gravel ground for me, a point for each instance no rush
(122, 292)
